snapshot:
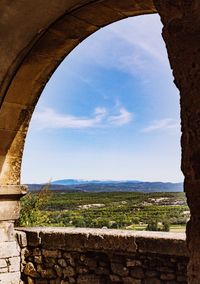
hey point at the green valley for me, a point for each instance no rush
(120, 210)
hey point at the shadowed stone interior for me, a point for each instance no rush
(35, 38)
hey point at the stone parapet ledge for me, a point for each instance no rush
(106, 239)
(10, 201)
(12, 191)
(101, 256)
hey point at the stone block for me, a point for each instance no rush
(54, 240)
(6, 231)
(72, 280)
(38, 259)
(3, 263)
(108, 242)
(130, 280)
(48, 273)
(41, 281)
(79, 28)
(14, 264)
(85, 239)
(21, 238)
(114, 278)
(137, 272)
(151, 273)
(9, 209)
(133, 262)
(182, 278)
(10, 110)
(69, 258)
(3, 269)
(161, 243)
(102, 270)
(12, 191)
(7, 139)
(30, 270)
(33, 238)
(91, 262)
(24, 254)
(51, 253)
(119, 269)
(49, 261)
(55, 281)
(68, 271)
(152, 281)
(10, 278)
(58, 270)
(166, 268)
(62, 262)
(30, 280)
(82, 269)
(92, 12)
(36, 252)
(9, 249)
(167, 276)
(138, 7)
(91, 279)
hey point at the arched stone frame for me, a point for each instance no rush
(42, 57)
(37, 36)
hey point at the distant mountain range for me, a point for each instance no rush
(110, 186)
(81, 181)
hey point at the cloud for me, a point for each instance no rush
(132, 46)
(162, 124)
(143, 33)
(49, 118)
(124, 117)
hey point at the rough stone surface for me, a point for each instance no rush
(10, 278)
(37, 35)
(181, 20)
(10, 204)
(9, 249)
(85, 262)
(6, 231)
(9, 254)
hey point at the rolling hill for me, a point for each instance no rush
(110, 186)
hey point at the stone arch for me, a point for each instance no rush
(38, 34)
(31, 65)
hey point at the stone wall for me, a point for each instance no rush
(9, 248)
(181, 25)
(93, 256)
(9, 255)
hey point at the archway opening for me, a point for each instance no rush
(115, 116)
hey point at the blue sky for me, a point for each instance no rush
(110, 111)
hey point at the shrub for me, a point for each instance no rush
(153, 225)
(31, 204)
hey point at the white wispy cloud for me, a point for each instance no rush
(162, 124)
(48, 118)
(124, 117)
(131, 46)
(136, 35)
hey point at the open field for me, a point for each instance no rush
(121, 210)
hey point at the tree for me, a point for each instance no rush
(31, 205)
(152, 225)
(166, 226)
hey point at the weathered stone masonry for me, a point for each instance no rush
(9, 248)
(36, 35)
(181, 32)
(93, 256)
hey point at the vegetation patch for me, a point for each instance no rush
(118, 210)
